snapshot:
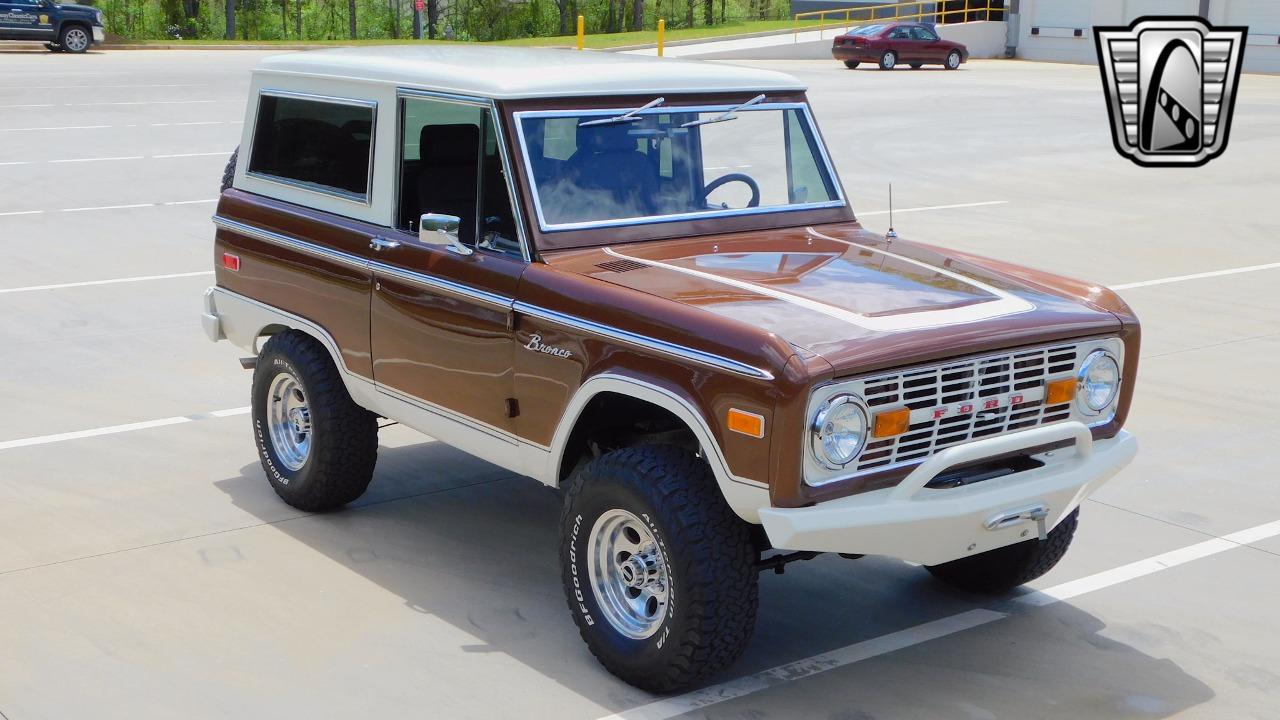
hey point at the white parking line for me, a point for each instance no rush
(222, 153)
(110, 207)
(699, 699)
(150, 102)
(72, 87)
(933, 207)
(101, 127)
(113, 281)
(114, 429)
(1197, 276)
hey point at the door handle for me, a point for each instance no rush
(379, 244)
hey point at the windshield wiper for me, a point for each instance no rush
(727, 114)
(629, 116)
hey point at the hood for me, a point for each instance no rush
(846, 295)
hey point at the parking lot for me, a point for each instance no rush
(147, 570)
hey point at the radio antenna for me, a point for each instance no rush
(892, 233)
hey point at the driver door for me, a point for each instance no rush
(441, 318)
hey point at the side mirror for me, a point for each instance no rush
(436, 229)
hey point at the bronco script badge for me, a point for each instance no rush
(1170, 84)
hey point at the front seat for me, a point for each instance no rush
(607, 159)
(447, 174)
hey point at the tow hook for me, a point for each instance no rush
(1008, 518)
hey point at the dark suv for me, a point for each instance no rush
(63, 28)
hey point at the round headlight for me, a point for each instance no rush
(839, 431)
(1099, 381)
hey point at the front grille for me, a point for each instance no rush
(962, 381)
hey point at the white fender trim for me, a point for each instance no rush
(745, 496)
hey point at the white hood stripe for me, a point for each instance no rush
(1004, 304)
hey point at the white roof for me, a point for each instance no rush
(512, 72)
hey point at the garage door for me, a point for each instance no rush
(1062, 14)
(1138, 8)
(1262, 16)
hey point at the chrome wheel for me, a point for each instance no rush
(628, 575)
(289, 421)
(76, 40)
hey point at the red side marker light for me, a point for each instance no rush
(231, 262)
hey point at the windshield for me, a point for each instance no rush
(593, 168)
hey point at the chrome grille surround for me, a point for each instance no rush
(978, 379)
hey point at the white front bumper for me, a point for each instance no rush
(929, 526)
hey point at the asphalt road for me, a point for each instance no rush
(148, 571)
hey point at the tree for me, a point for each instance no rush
(231, 20)
(433, 18)
(637, 14)
(351, 17)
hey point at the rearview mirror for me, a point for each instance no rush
(442, 230)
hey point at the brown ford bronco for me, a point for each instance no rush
(640, 281)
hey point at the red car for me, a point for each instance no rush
(893, 44)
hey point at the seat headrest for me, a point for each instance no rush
(457, 144)
(606, 138)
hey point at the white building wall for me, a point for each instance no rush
(1062, 30)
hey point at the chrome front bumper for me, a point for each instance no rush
(932, 526)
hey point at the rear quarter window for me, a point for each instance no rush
(322, 144)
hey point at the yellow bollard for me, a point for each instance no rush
(662, 34)
(580, 27)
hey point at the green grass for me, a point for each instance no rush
(597, 41)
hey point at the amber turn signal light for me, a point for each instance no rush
(747, 423)
(1059, 391)
(893, 422)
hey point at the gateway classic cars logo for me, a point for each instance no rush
(1170, 84)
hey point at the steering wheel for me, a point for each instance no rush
(734, 177)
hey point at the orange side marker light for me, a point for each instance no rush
(747, 423)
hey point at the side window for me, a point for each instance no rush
(900, 34)
(920, 33)
(450, 164)
(322, 144)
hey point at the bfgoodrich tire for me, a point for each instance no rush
(659, 572)
(317, 446)
(1000, 570)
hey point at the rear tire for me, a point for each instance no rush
(1000, 570)
(888, 60)
(317, 446)
(51, 47)
(642, 527)
(229, 174)
(916, 66)
(74, 39)
(953, 60)
(851, 64)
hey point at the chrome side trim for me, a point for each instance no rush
(449, 287)
(840, 200)
(646, 343)
(432, 283)
(292, 243)
(367, 198)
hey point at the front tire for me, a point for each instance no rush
(1000, 570)
(888, 60)
(658, 571)
(317, 446)
(953, 60)
(851, 64)
(916, 66)
(74, 39)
